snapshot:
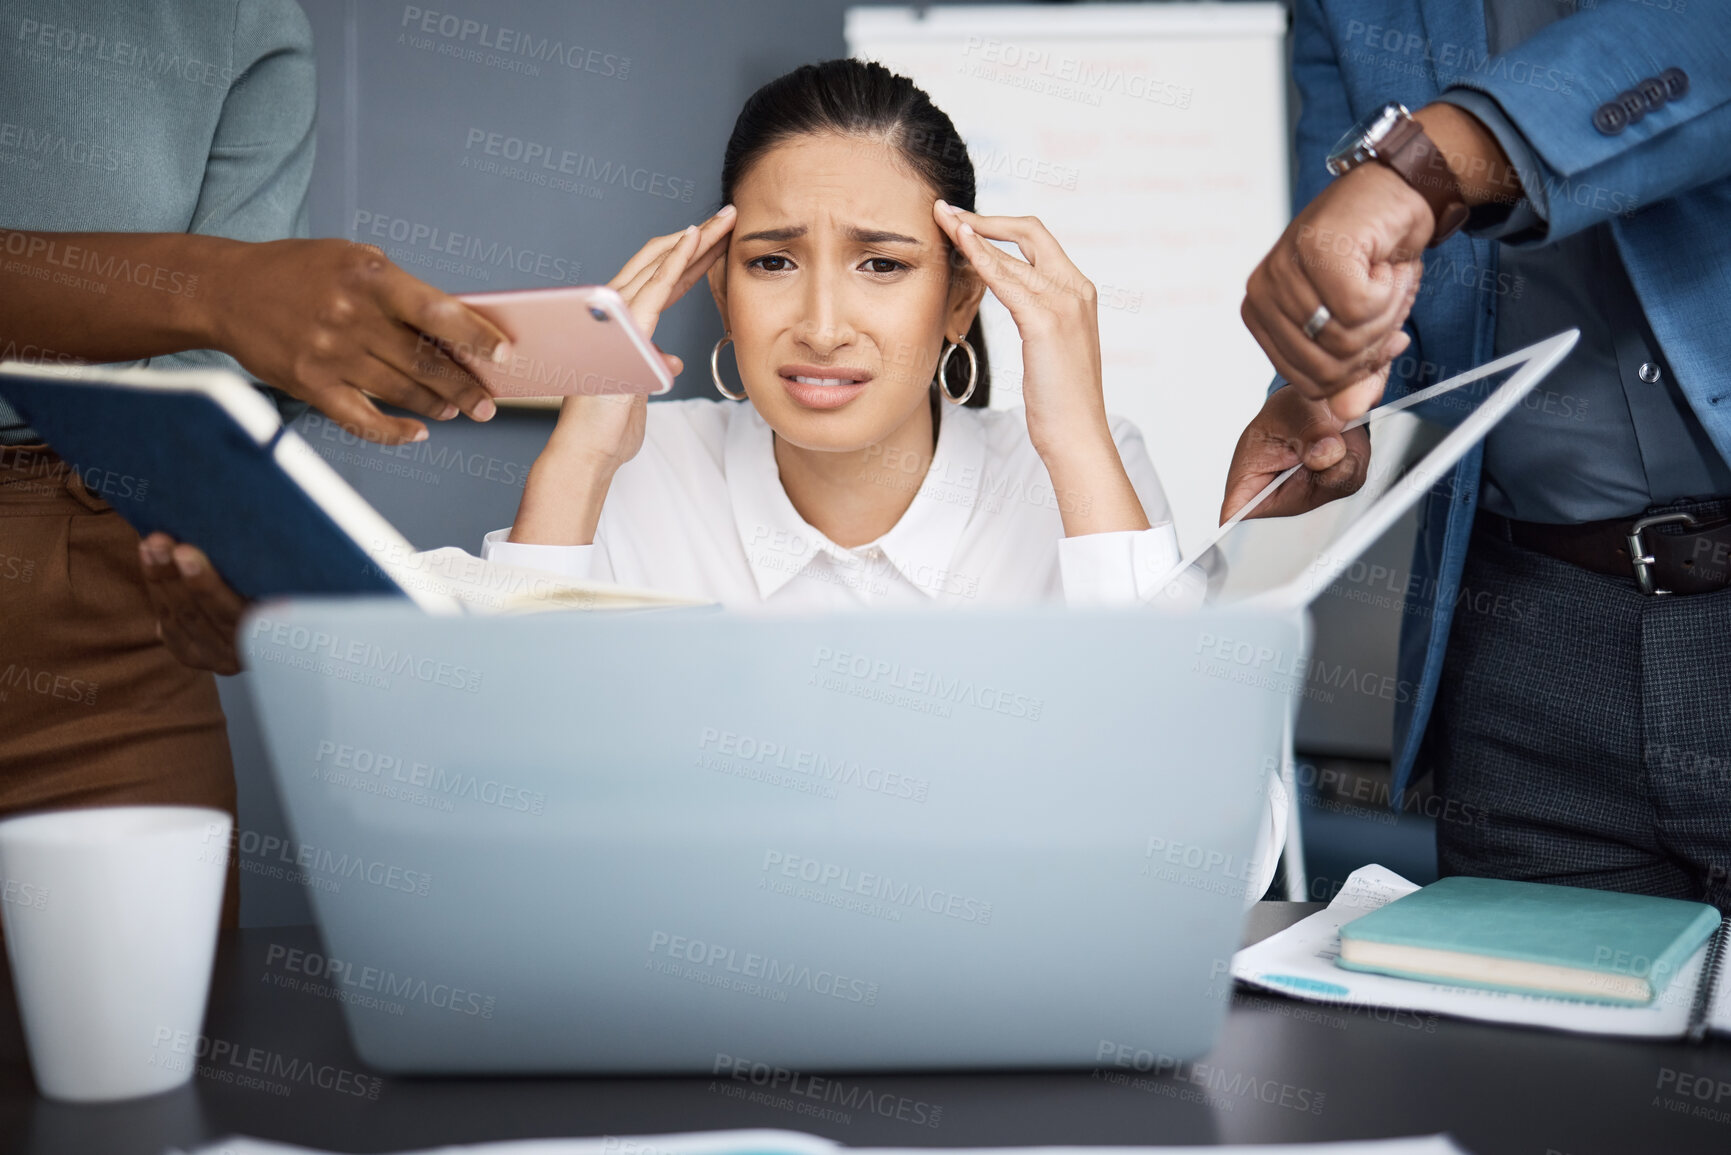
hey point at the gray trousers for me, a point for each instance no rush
(1584, 729)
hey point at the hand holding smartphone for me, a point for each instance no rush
(572, 341)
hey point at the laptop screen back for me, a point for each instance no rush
(1289, 560)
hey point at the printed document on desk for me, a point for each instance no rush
(799, 1143)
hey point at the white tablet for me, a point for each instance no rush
(1289, 560)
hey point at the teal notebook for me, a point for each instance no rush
(1531, 938)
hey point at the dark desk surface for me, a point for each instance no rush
(1283, 1071)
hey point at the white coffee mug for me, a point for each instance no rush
(111, 916)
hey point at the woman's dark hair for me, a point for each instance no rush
(862, 98)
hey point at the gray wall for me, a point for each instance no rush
(540, 169)
(424, 147)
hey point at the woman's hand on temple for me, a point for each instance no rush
(597, 433)
(605, 431)
(666, 268)
(1053, 306)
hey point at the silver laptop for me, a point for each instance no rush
(674, 840)
(683, 840)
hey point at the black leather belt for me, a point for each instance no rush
(1683, 548)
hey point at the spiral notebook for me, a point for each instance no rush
(1300, 962)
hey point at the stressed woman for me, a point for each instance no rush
(863, 468)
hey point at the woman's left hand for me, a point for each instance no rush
(1053, 306)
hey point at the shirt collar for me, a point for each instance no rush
(779, 543)
(922, 543)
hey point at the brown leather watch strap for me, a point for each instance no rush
(1408, 151)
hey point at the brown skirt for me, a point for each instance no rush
(94, 709)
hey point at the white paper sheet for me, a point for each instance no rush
(491, 587)
(1299, 961)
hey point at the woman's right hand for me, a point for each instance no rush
(604, 431)
(597, 433)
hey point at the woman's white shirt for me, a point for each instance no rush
(701, 511)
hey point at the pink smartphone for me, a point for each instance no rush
(567, 341)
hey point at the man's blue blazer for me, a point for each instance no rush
(1663, 183)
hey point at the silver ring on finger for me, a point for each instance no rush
(1317, 320)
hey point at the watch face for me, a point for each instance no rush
(1359, 143)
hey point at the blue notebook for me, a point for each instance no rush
(201, 455)
(1531, 938)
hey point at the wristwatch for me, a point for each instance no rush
(1391, 135)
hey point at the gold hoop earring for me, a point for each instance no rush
(715, 370)
(973, 372)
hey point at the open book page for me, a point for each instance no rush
(796, 1143)
(742, 1142)
(1299, 961)
(490, 587)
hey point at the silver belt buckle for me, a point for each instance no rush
(1640, 559)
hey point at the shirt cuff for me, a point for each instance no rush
(1529, 218)
(1116, 569)
(572, 561)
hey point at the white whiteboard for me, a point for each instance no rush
(1152, 141)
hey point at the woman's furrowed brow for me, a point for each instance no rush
(855, 233)
(786, 233)
(879, 237)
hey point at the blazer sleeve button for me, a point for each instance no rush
(1653, 93)
(1676, 82)
(1634, 106)
(1610, 119)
